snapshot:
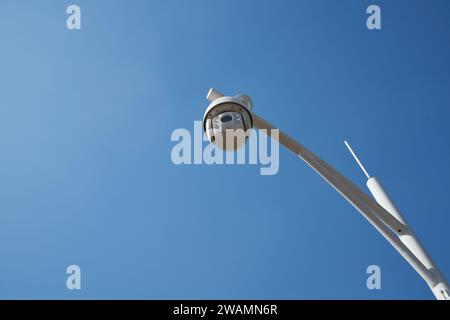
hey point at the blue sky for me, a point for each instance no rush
(85, 123)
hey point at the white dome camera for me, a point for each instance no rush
(227, 120)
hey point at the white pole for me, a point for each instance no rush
(389, 226)
(440, 289)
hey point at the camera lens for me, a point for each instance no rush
(226, 118)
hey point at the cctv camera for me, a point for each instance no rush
(227, 120)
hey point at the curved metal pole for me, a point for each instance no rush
(389, 226)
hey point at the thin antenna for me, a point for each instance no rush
(357, 159)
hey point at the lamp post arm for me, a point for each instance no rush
(389, 226)
(359, 199)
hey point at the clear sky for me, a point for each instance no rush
(86, 176)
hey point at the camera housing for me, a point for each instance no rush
(227, 120)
